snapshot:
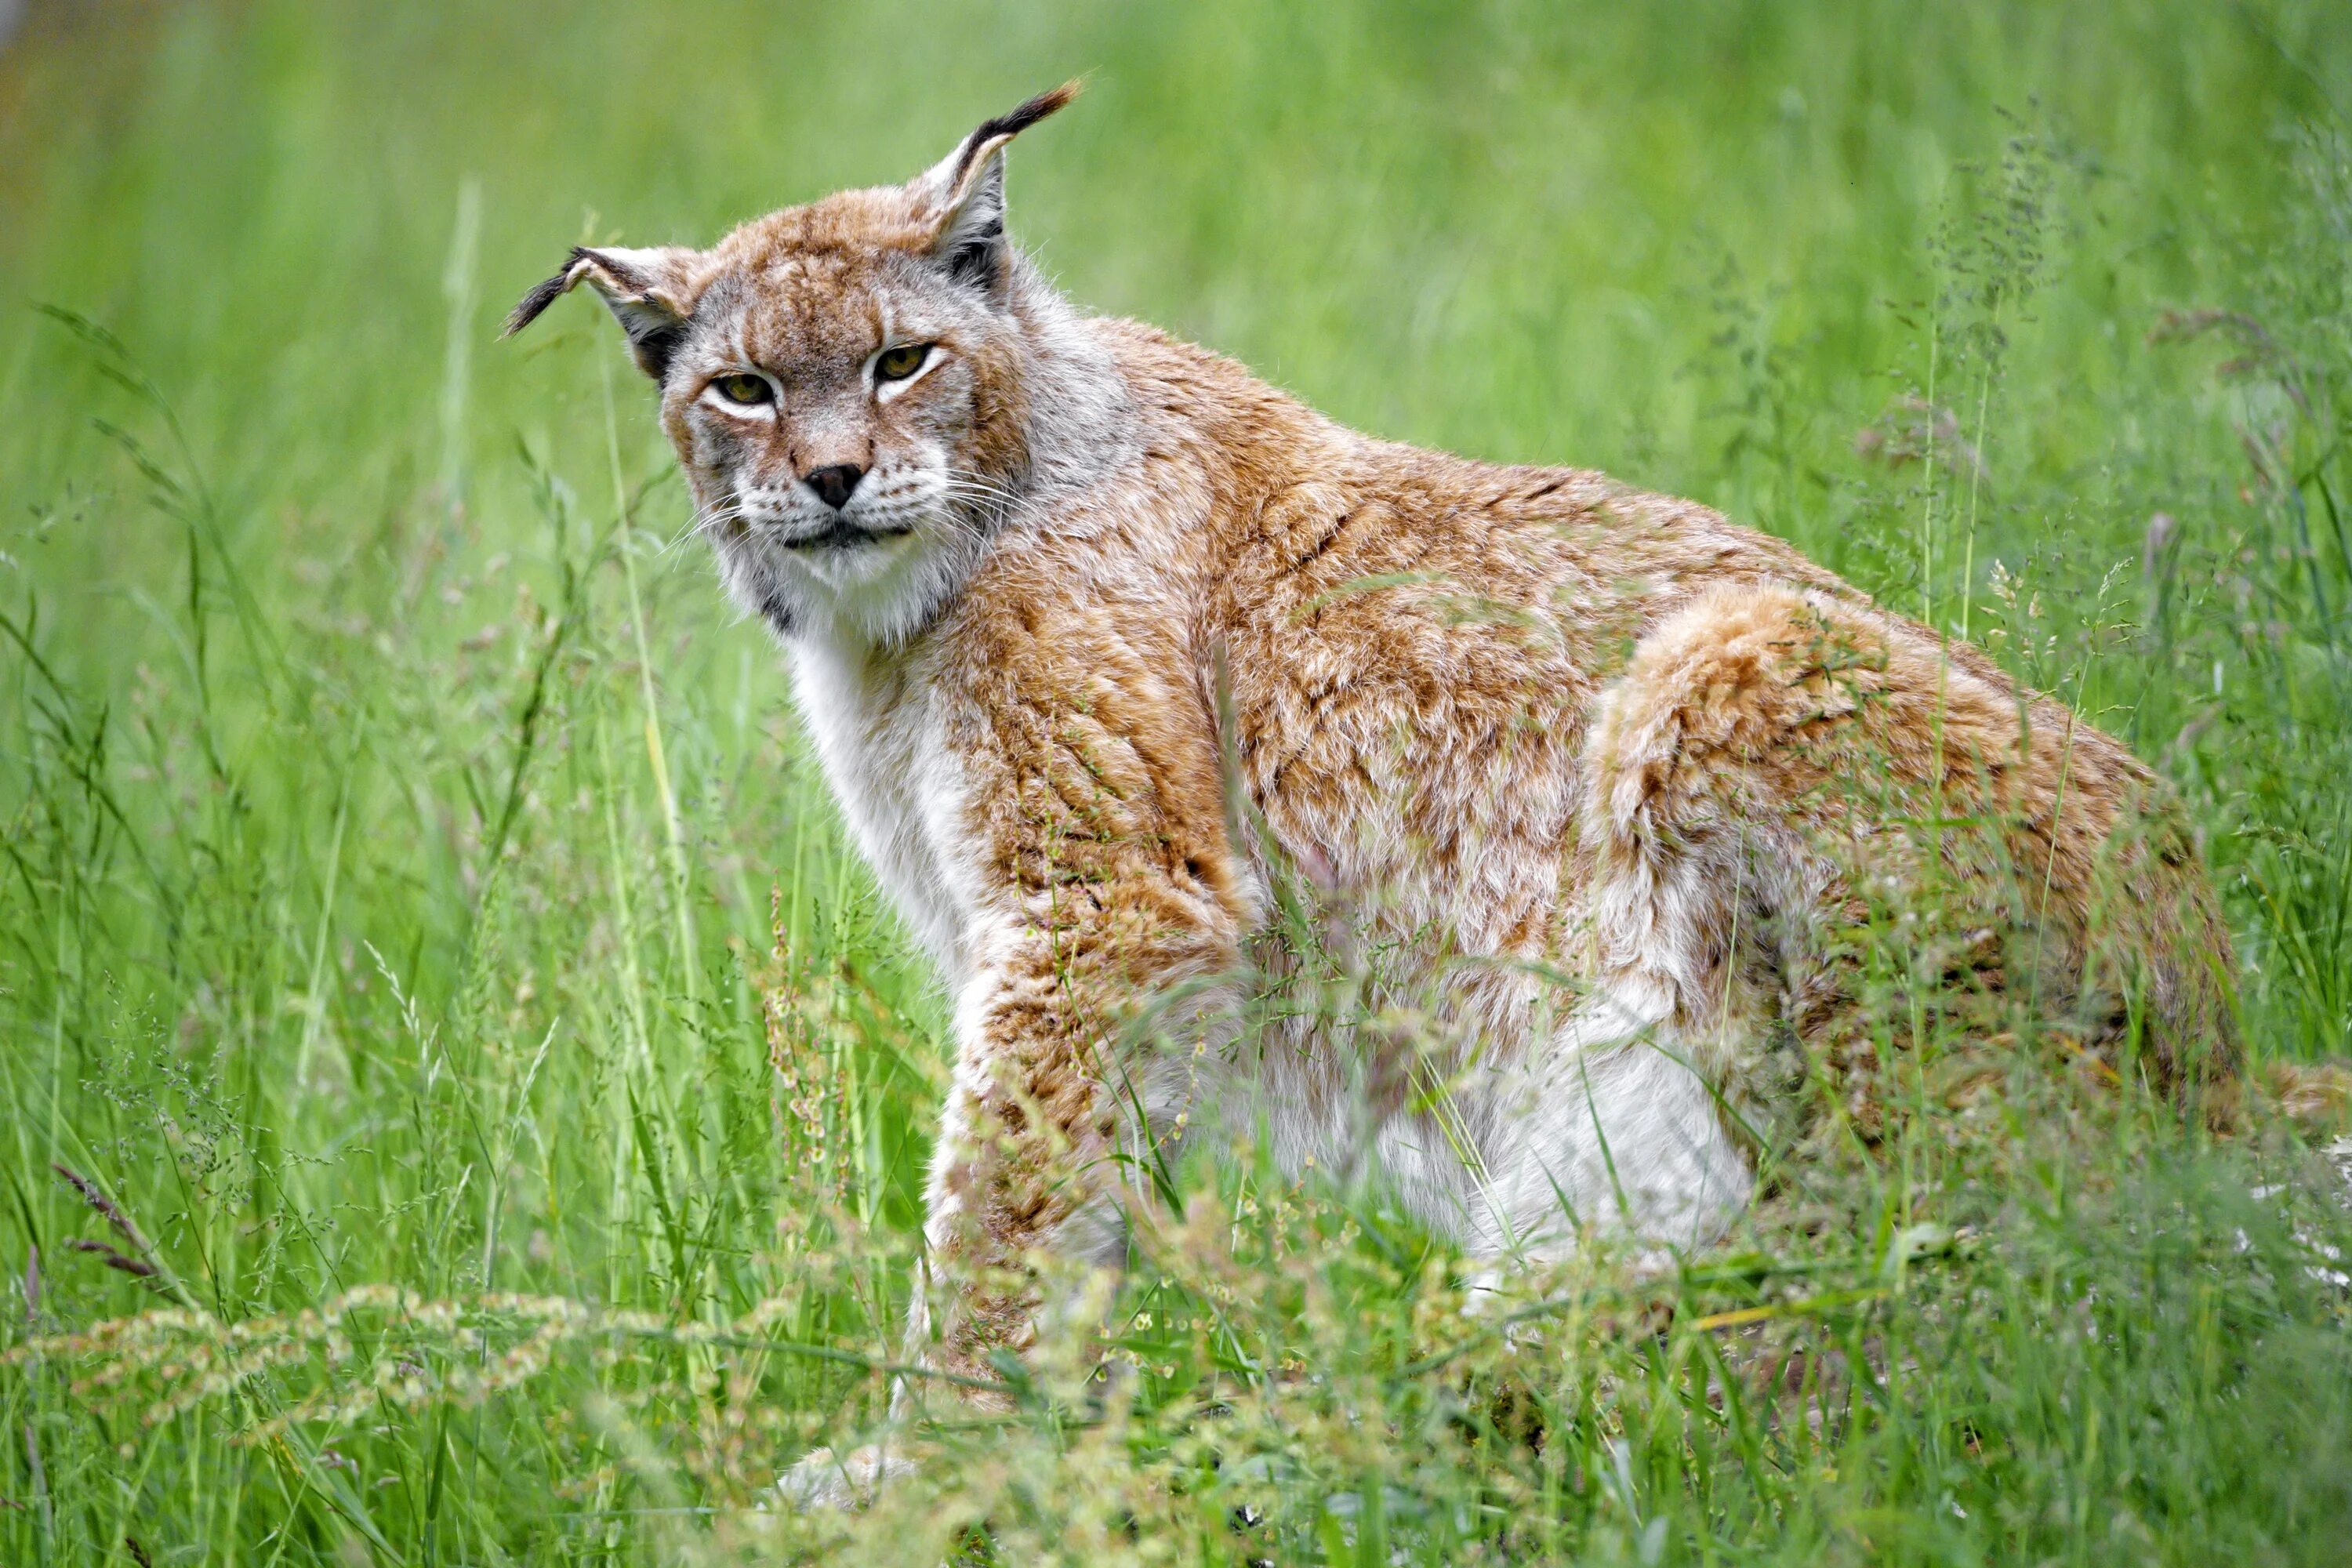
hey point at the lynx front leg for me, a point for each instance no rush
(1023, 1169)
(1024, 1191)
(1701, 897)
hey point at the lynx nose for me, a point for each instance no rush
(834, 484)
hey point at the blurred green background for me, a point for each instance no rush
(395, 817)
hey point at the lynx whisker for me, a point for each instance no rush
(704, 519)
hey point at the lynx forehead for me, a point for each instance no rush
(1117, 659)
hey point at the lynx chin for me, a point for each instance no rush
(1506, 836)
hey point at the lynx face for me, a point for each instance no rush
(830, 411)
(842, 383)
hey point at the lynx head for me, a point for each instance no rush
(844, 383)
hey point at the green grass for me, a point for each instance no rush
(411, 865)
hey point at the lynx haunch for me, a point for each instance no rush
(1116, 658)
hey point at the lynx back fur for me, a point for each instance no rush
(1147, 691)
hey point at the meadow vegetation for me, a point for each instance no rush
(462, 1102)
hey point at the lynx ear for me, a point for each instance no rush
(644, 289)
(967, 190)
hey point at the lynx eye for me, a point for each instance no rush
(744, 388)
(898, 363)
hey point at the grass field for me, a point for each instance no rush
(426, 940)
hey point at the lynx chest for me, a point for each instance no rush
(876, 735)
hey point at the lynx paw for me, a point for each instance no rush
(826, 1480)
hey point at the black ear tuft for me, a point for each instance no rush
(528, 309)
(1007, 126)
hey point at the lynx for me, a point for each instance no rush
(1117, 659)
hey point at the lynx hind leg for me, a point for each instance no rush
(1705, 897)
(1773, 766)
